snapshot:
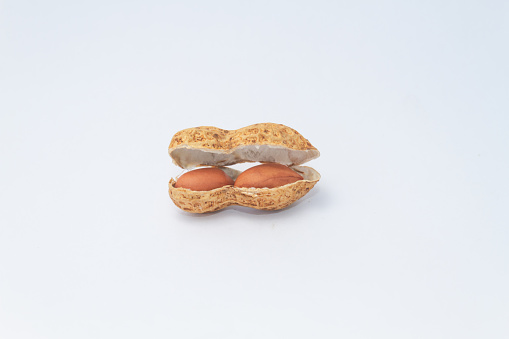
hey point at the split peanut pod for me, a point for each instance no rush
(274, 185)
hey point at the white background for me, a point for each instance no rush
(405, 236)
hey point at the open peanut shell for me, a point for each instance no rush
(265, 142)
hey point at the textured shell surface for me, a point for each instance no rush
(259, 198)
(264, 142)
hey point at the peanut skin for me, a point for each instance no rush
(267, 175)
(204, 179)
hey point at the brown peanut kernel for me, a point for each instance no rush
(204, 179)
(267, 175)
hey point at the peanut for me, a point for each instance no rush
(267, 175)
(204, 179)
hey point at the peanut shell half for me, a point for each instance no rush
(264, 142)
